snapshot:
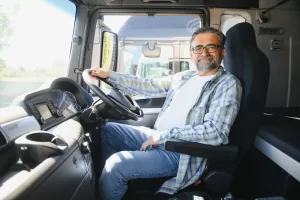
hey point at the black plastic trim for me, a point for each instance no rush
(2, 139)
(223, 153)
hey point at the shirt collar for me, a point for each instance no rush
(194, 73)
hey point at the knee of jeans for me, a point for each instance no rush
(116, 165)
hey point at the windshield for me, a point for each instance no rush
(35, 42)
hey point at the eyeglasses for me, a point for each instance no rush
(210, 48)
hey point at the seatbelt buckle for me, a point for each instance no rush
(197, 183)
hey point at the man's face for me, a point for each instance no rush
(207, 59)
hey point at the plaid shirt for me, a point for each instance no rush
(208, 122)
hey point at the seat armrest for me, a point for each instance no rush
(223, 153)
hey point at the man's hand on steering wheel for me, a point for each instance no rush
(122, 104)
(99, 72)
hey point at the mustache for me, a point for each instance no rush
(204, 57)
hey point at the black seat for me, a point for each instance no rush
(245, 60)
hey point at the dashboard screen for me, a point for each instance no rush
(44, 110)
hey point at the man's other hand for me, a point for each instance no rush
(98, 72)
(151, 141)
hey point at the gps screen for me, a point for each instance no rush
(44, 111)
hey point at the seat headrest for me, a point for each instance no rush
(241, 34)
(240, 39)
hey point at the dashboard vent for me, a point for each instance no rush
(2, 139)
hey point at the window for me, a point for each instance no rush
(35, 42)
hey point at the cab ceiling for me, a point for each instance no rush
(171, 3)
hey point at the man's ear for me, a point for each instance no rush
(191, 53)
(223, 52)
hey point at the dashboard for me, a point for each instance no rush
(37, 157)
(64, 99)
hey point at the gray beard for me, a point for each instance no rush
(206, 68)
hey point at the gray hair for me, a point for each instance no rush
(220, 35)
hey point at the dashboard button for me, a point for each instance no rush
(58, 113)
(43, 120)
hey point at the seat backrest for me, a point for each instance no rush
(251, 66)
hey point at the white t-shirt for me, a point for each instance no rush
(183, 100)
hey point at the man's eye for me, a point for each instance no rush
(198, 48)
(211, 47)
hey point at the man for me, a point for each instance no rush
(200, 106)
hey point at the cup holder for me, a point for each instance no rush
(40, 137)
(34, 147)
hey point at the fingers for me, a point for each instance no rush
(144, 147)
(147, 146)
(95, 71)
(94, 75)
(149, 143)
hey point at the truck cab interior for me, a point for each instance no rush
(52, 112)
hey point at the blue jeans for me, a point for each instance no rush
(121, 145)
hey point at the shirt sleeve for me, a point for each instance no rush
(217, 121)
(150, 88)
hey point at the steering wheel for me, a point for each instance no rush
(123, 104)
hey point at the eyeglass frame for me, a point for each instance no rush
(205, 47)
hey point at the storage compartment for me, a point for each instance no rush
(34, 147)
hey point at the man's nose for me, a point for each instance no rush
(204, 53)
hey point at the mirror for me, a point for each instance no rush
(150, 50)
(109, 51)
